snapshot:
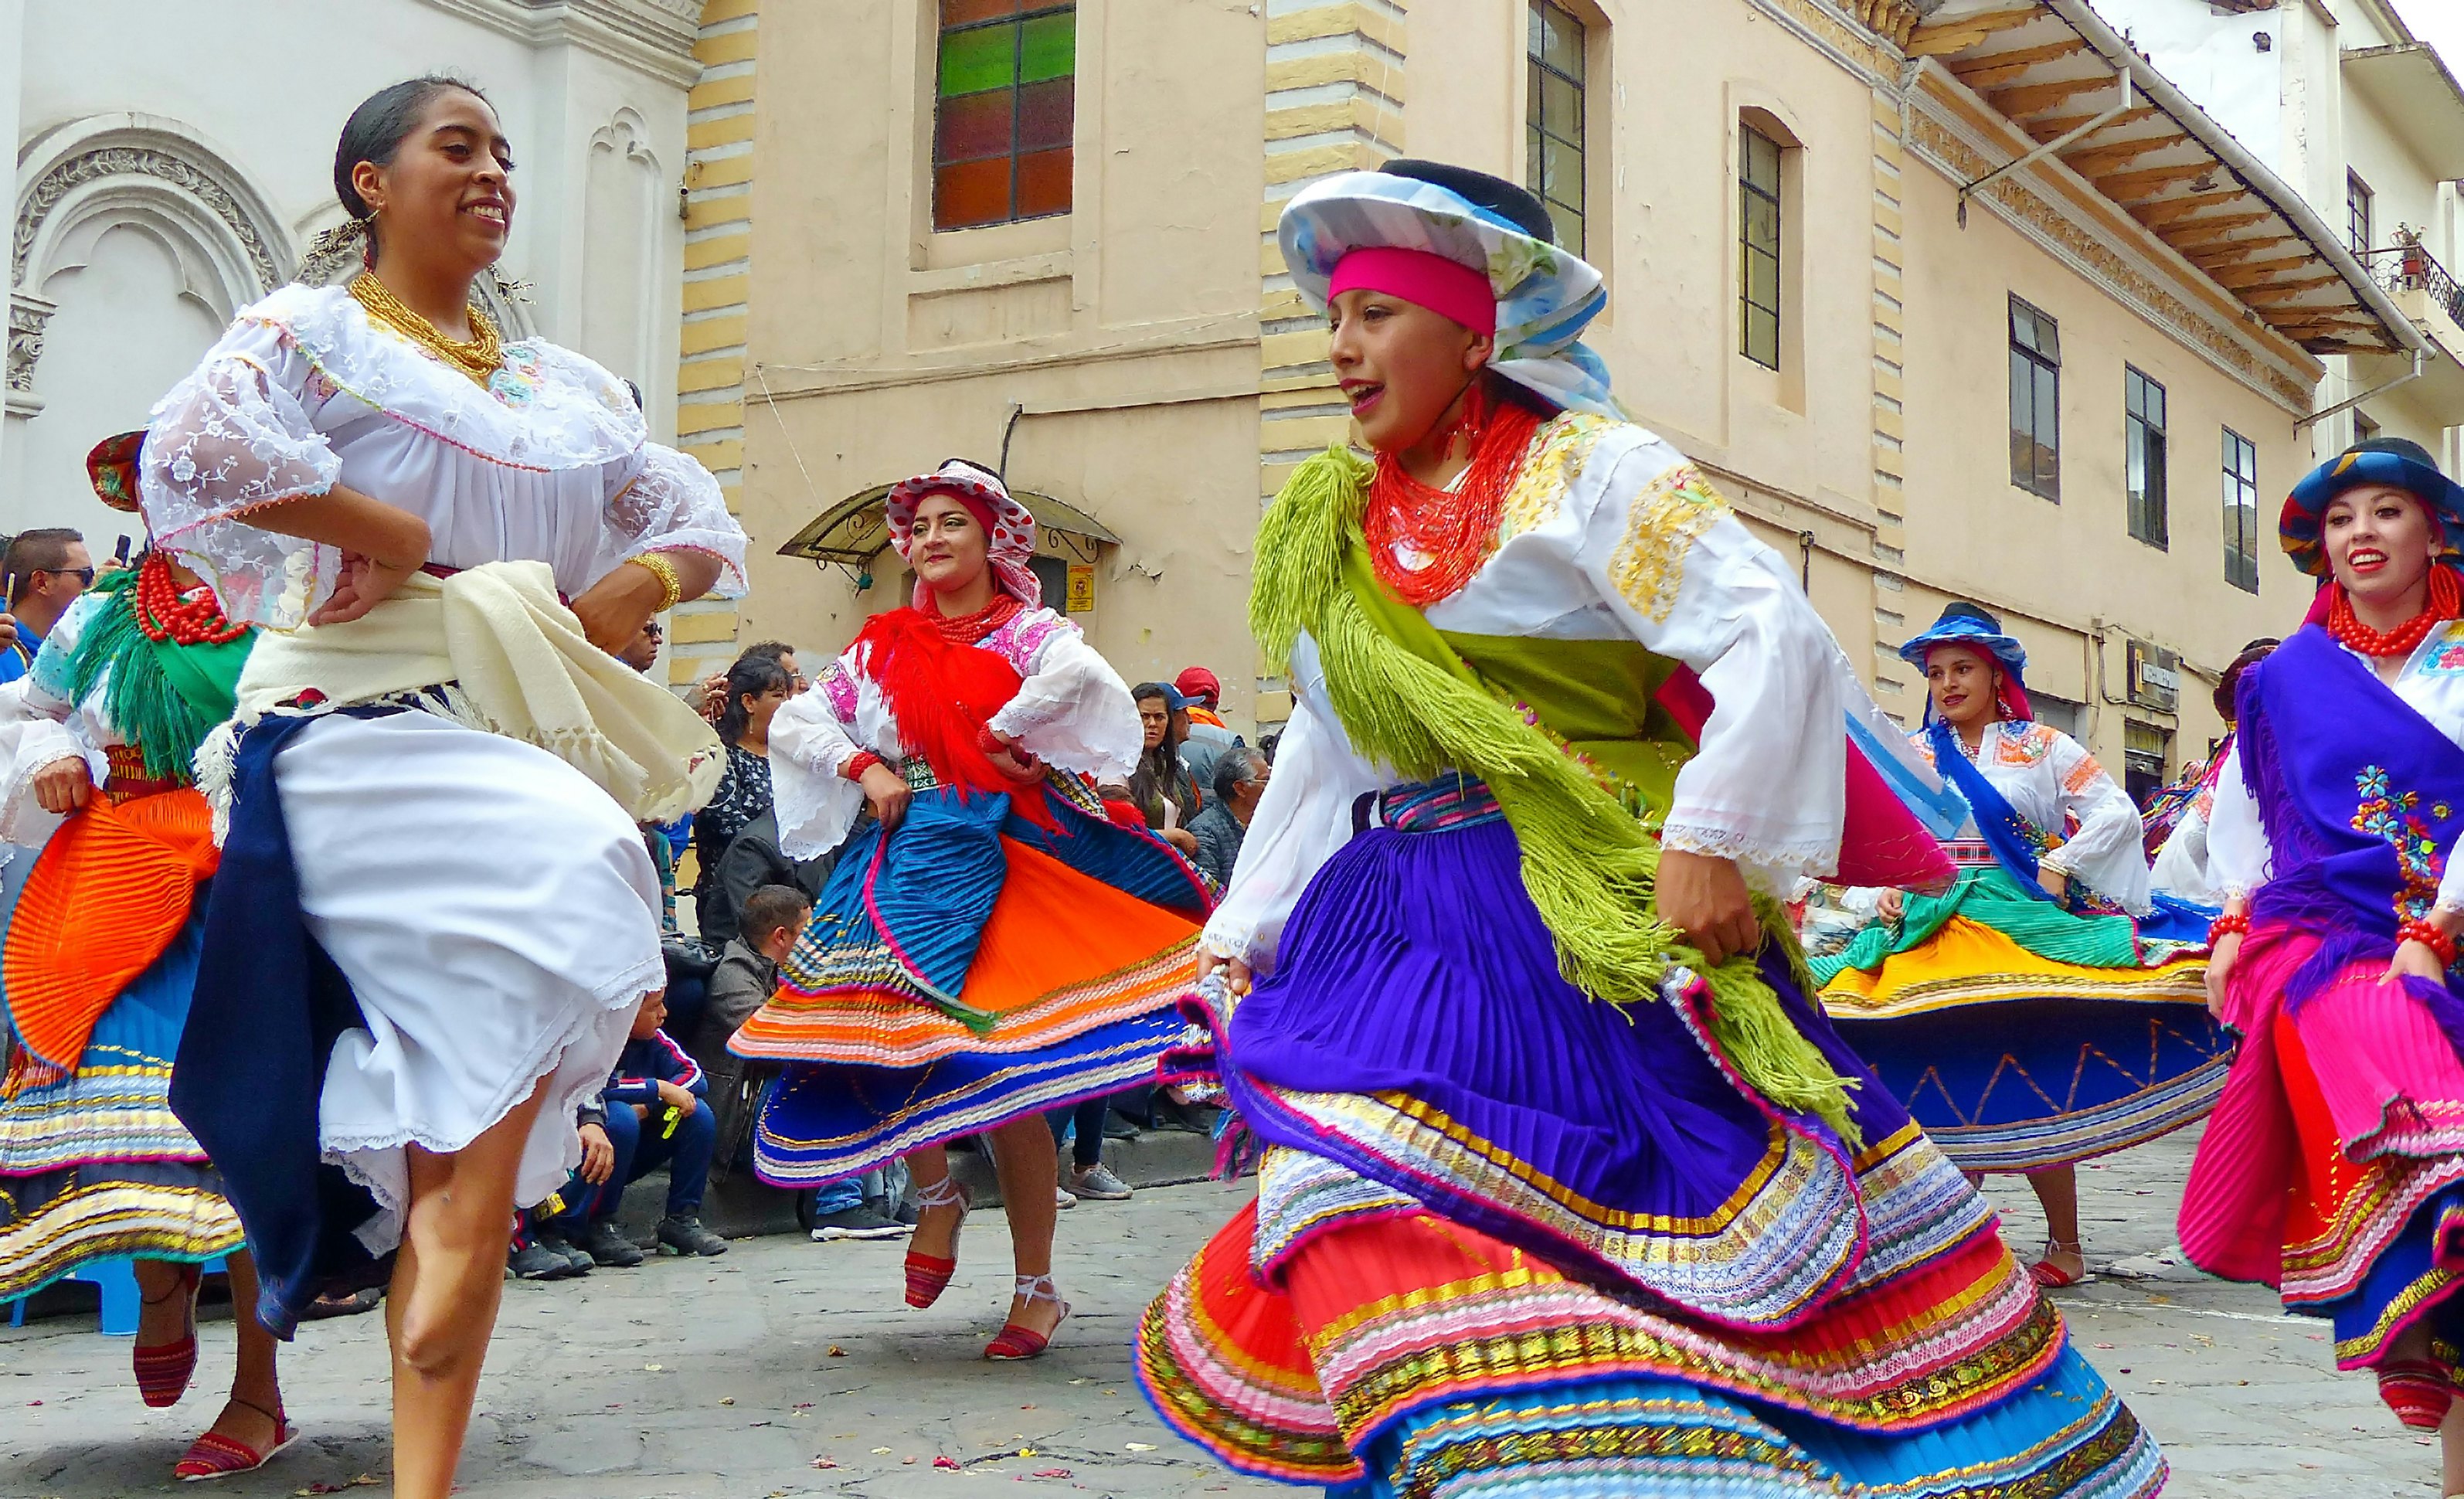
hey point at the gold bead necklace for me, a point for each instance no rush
(480, 358)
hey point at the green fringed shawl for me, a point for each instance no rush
(163, 696)
(1405, 697)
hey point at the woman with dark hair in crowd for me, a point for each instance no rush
(2179, 856)
(758, 685)
(434, 918)
(1162, 788)
(1567, 1188)
(993, 945)
(2334, 1167)
(101, 960)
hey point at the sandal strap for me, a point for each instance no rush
(189, 1278)
(945, 1193)
(1031, 1288)
(275, 1416)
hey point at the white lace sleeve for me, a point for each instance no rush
(233, 437)
(2109, 851)
(1303, 818)
(810, 741)
(2239, 857)
(1767, 787)
(670, 503)
(1073, 710)
(36, 731)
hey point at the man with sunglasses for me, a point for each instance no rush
(43, 570)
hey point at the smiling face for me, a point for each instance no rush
(1962, 682)
(447, 194)
(2380, 541)
(948, 547)
(1400, 365)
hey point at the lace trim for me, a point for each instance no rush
(1816, 855)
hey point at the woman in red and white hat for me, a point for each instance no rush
(992, 945)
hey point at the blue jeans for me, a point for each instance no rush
(642, 1147)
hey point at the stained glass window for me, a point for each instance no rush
(1005, 107)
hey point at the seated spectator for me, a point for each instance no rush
(538, 1250)
(758, 685)
(1204, 736)
(747, 975)
(656, 1116)
(1087, 1177)
(1162, 788)
(1239, 779)
(753, 860)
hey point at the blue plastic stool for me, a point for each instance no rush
(117, 1280)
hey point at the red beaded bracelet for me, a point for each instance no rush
(2229, 921)
(858, 763)
(2417, 929)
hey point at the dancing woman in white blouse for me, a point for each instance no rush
(429, 939)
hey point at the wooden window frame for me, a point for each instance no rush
(2042, 367)
(1751, 314)
(2360, 211)
(1016, 22)
(1538, 135)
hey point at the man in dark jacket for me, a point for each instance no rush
(752, 861)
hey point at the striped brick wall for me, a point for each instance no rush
(1334, 103)
(710, 373)
(1894, 688)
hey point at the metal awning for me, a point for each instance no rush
(853, 532)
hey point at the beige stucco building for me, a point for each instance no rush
(1041, 232)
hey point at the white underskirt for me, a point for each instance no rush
(498, 918)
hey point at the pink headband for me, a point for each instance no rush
(1446, 287)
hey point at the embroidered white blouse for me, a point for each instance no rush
(2050, 778)
(39, 726)
(2239, 857)
(1609, 534)
(1072, 712)
(549, 463)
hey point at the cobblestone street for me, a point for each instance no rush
(736, 1376)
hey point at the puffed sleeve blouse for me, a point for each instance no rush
(41, 723)
(550, 462)
(1071, 710)
(2051, 779)
(1611, 534)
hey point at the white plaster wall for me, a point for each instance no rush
(2215, 59)
(269, 82)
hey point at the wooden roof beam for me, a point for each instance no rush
(2034, 98)
(2258, 272)
(2204, 236)
(2060, 125)
(2287, 291)
(1995, 69)
(2098, 161)
(2237, 251)
(2145, 186)
(2174, 211)
(1950, 36)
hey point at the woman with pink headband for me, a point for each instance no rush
(1565, 1187)
(991, 945)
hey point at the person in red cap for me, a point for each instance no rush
(1204, 692)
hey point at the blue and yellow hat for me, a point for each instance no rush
(2377, 460)
(1970, 624)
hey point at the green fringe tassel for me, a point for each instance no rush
(137, 696)
(1589, 865)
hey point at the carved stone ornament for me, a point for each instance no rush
(27, 315)
(133, 161)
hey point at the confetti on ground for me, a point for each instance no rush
(1053, 1472)
(726, 1399)
(881, 1452)
(942, 1462)
(654, 1368)
(836, 1352)
(823, 1462)
(1141, 1446)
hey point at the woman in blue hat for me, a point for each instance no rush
(2028, 1021)
(2334, 1167)
(1567, 1187)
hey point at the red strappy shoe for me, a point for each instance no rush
(2052, 1277)
(214, 1455)
(1014, 1342)
(163, 1371)
(928, 1275)
(2417, 1390)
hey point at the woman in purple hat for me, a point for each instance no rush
(2334, 1167)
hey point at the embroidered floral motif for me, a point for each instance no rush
(2025, 746)
(1557, 455)
(2447, 657)
(516, 381)
(2393, 816)
(1649, 565)
(2082, 775)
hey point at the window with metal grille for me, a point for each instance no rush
(1004, 106)
(2142, 423)
(2241, 511)
(1758, 241)
(2357, 213)
(1554, 118)
(2035, 401)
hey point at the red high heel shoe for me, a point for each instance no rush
(163, 1371)
(1014, 1342)
(928, 1275)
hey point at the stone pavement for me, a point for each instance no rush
(734, 1375)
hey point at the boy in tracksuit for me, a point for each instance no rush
(656, 1115)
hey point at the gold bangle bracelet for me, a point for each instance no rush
(672, 588)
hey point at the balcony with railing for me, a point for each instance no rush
(2424, 288)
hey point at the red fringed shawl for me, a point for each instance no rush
(942, 690)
